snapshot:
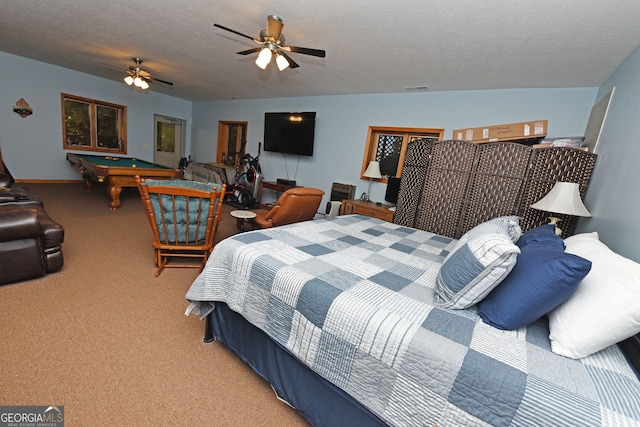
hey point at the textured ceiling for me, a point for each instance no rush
(373, 46)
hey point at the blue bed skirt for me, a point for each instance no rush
(317, 400)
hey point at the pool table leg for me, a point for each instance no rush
(114, 191)
(88, 184)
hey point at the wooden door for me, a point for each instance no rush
(232, 137)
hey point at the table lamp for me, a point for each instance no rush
(564, 198)
(372, 172)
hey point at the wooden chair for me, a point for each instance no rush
(294, 205)
(184, 216)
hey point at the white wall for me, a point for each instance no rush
(613, 195)
(342, 123)
(32, 146)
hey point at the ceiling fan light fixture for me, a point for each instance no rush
(139, 78)
(272, 42)
(282, 62)
(264, 58)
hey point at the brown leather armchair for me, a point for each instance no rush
(294, 205)
(30, 241)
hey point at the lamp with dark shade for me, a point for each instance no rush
(564, 198)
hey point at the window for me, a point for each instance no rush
(91, 125)
(388, 146)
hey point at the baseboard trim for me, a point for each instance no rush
(48, 181)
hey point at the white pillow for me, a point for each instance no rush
(605, 309)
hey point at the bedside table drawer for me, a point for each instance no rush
(372, 209)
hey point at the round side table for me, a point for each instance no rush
(242, 216)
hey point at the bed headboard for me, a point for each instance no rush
(450, 186)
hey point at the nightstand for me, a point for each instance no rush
(372, 209)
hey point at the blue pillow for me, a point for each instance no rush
(543, 278)
(542, 233)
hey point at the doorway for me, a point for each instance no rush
(232, 137)
(168, 135)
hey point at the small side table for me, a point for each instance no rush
(242, 216)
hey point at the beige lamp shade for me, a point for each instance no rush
(373, 170)
(564, 198)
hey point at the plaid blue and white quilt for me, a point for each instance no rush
(352, 298)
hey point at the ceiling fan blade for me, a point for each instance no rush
(236, 32)
(274, 26)
(305, 51)
(249, 51)
(161, 81)
(292, 63)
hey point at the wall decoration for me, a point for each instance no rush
(22, 108)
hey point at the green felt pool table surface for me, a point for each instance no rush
(120, 162)
(118, 172)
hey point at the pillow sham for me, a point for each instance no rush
(606, 307)
(511, 224)
(543, 278)
(480, 260)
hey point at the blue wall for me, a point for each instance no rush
(613, 195)
(32, 146)
(342, 123)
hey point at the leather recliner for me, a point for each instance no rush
(30, 241)
(294, 205)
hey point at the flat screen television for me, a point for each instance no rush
(290, 133)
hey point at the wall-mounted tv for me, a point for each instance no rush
(290, 133)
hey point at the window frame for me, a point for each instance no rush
(371, 147)
(93, 117)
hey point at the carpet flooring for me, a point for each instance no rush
(109, 341)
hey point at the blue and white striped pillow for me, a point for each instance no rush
(481, 259)
(511, 224)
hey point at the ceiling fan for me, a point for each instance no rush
(272, 43)
(140, 78)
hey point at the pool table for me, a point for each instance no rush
(118, 172)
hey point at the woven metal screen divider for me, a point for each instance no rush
(497, 184)
(448, 187)
(414, 173)
(549, 165)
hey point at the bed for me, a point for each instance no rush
(345, 318)
(352, 298)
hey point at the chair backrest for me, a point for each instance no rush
(295, 205)
(181, 212)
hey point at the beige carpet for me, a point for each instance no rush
(109, 341)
